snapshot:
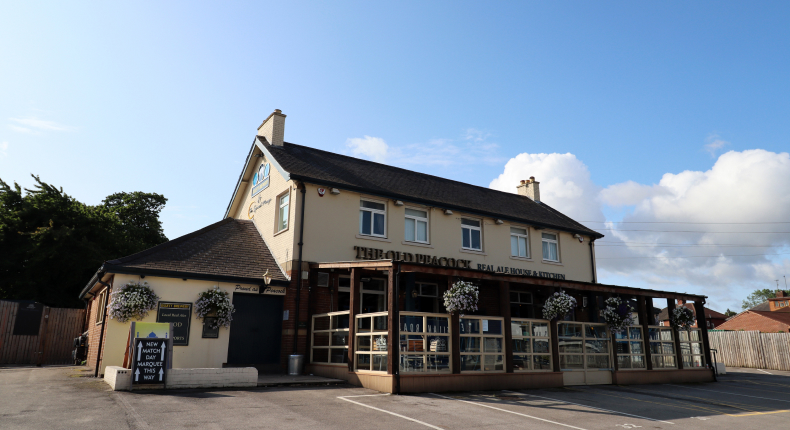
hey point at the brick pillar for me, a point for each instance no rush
(504, 306)
(678, 355)
(354, 302)
(645, 313)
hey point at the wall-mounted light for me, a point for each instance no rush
(266, 278)
(448, 212)
(414, 293)
(334, 191)
(398, 203)
(499, 222)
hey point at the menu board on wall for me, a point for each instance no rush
(180, 314)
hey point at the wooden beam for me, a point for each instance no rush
(392, 325)
(455, 334)
(368, 264)
(353, 308)
(504, 310)
(645, 310)
(676, 334)
(699, 309)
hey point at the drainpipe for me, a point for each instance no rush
(396, 352)
(299, 272)
(101, 331)
(592, 261)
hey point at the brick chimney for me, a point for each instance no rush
(529, 188)
(273, 128)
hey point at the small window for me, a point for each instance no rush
(101, 301)
(550, 248)
(519, 242)
(282, 214)
(372, 218)
(470, 230)
(416, 226)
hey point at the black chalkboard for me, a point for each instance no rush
(180, 314)
(28, 318)
(208, 332)
(149, 361)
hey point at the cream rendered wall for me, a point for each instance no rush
(281, 244)
(200, 352)
(332, 230)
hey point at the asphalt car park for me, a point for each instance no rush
(67, 397)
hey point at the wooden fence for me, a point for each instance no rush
(752, 349)
(52, 345)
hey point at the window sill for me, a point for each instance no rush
(472, 251)
(281, 231)
(512, 257)
(378, 239)
(424, 245)
(555, 263)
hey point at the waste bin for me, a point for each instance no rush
(295, 364)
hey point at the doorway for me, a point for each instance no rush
(256, 332)
(585, 353)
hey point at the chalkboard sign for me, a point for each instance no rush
(208, 332)
(149, 361)
(180, 314)
(28, 318)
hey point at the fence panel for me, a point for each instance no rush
(53, 343)
(752, 349)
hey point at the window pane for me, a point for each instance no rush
(475, 239)
(363, 343)
(320, 339)
(470, 344)
(438, 343)
(636, 348)
(521, 345)
(363, 324)
(493, 362)
(541, 362)
(363, 361)
(364, 222)
(520, 328)
(596, 331)
(437, 363)
(696, 348)
(470, 362)
(540, 345)
(549, 236)
(597, 361)
(340, 321)
(638, 362)
(493, 344)
(284, 199)
(597, 346)
(373, 303)
(378, 224)
(469, 326)
(540, 329)
(379, 362)
(410, 323)
(380, 342)
(374, 285)
(409, 227)
(412, 343)
(622, 348)
(522, 247)
(624, 361)
(635, 333)
(518, 230)
(422, 231)
(372, 205)
(571, 361)
(416, 213)
(283, 218)
(683, 335)
(570, 345)
(412, 363)
(428, 290)
(380, 323)
(492, 327)
(550, 251)
(438, 325)
(668, 348)
(521, 362)
(574, 330)
(471, 222)
(514, 246)
(340, 338)
(466, 242)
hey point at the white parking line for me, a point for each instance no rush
(387, 412)
(586, 406)
(505, 410)
(760, 370)
(732, 394)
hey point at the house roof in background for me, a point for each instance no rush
(709, 313)
(341, 171)
(231, 248)
(764, 321)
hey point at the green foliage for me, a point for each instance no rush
(52, 244)
(730, 313)
(757, 297)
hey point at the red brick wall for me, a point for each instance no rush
(750, 321)
(289, 304)
(94, 331)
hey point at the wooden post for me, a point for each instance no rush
(555, 340)
(702, 324)
(504, 306)
(676, 334)
(455, 335)
(393, 341)
(645, 311)
(613, 340)
(353, 310)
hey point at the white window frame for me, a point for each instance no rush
(526, 241)
(363, 291)
(627, 337)
(373, 218)
(687, 343)
(331, 332)
(417, 220)
(414, 344)
(556, 242)
(531, 338)
(278, 215)
(102, 302)
(377, 350)
(470, 228)
(665, 347)
(484, 339)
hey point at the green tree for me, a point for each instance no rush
(757, 297)
(730, 313)
(52, 244)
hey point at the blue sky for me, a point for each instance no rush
(99, 98)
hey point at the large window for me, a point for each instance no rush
(371, 334)
(481, 344)
(519, 242)
(691, 348)
(662, 348)
(330, 338)
(630, 348)
(521, 304)
(343, 293)
(374, 296)
(416, 226)
(282, 215)
(372, 218)
(424, 343)
(426, 297)
(470, 230)
(551, 250)
(583, 346)
(531, 345)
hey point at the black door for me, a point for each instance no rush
(255, 331)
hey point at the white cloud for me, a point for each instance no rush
(565, 183)
(30, 124)
(714, 144)
(4, 149)
(741, 187)
(374, 148)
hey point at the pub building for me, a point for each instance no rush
(345, 261)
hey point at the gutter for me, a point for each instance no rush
(101, 332)
(303, 189)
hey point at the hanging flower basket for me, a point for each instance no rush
(461, 297)
(558, 305)
(215, 303)
(682, 318)
(132, 301)
(618, 314)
